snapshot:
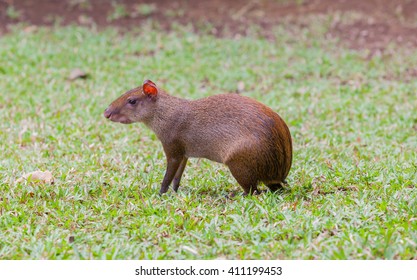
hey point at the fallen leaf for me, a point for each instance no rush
(30, 29)
(77, 74)
(189, 249)
(240, 87)
(37, 177)
(85, 20)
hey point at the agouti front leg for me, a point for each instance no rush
(178, 174)
(172, 166)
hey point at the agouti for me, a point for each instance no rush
(247, 136)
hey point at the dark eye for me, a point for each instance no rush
(132, 101)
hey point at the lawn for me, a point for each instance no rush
(352, 190)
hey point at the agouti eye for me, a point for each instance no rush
(132, 101)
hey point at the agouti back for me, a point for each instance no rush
(247, 136)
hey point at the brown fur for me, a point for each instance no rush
(247, 136)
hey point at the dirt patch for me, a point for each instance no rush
(377, 24)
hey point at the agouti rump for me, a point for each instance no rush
(247, 136)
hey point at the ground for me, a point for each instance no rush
(372, 24)
(341, 75)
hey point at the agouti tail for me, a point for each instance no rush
(247, 136)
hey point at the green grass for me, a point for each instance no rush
(352, 188)
(12, 13)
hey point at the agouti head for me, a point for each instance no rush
(136, 105)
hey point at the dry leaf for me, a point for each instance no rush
(85, 20)
(240, 87)
(30, 29)
(77, 74)
(189, 249)
(37, 177)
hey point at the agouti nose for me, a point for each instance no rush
(107, 113)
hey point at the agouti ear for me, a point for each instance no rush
(149, 88)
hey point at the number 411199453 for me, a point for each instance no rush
(256, 270)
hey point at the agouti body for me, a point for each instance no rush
(247, 136)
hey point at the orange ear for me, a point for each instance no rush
(149, 88)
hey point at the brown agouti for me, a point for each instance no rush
(247, 136)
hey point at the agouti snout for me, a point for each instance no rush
(247, 136)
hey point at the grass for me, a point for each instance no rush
(13, 13)
(352, 188)
(119, 11)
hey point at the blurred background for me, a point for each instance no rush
(359, 24)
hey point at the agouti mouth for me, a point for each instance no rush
(124, 121)
(107, 113)
(120, 119)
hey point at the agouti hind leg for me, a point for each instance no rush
(244, 177)
(274, 187)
